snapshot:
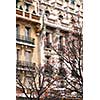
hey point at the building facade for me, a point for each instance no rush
(62, 19)
(58, 23)
(58, 19)
(27, 38)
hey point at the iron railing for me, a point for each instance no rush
(25, 39)
(24, 65)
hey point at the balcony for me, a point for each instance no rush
(33, 16)
(27, 15)
(23, 39)
(25, 66)
(19, 12)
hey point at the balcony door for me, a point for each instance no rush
(17, 31)
(18, 54)
(27, 33)
(27, 56)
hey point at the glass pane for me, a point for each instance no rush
(18, 54)
(27, 33)
(17, 29)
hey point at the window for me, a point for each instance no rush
(18, 54)
(61, 39)
(47, 37)
(27, 33)
(17, 29)
(19, 74)
(47, 42)
(60, 45)
(72, 1)
(27, 56)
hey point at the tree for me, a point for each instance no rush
(39, 80)
(71, 55)
(69, 73)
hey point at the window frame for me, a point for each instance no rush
(28, 56)
(27, 32)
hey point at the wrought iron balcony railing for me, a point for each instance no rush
(25, 39)
(24, 65)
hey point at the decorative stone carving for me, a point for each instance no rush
(37, 28)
